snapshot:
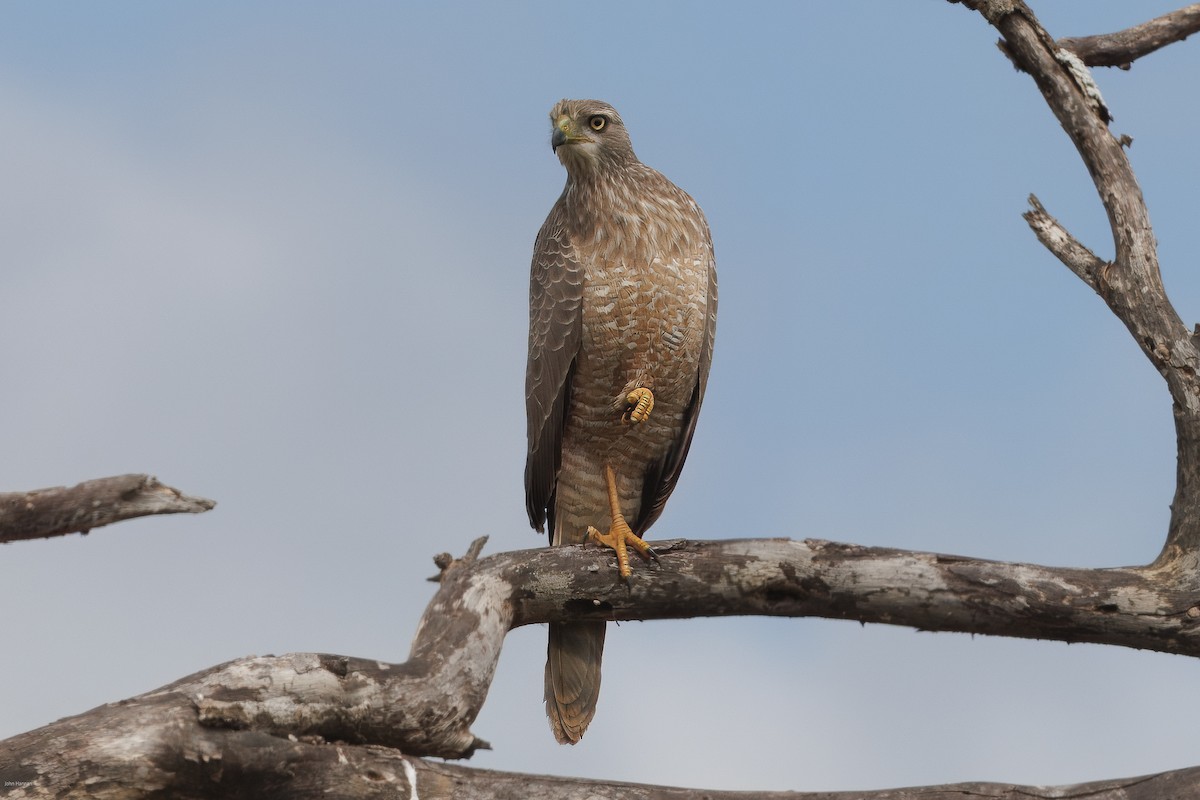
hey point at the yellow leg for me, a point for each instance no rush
(620, 536)
(641, 403)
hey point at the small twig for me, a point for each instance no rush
(446, 563)
(1065, 247)
(475, 549)
(57, 511)
(1122, 48)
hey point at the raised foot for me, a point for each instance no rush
(620, 538)
(641, 403)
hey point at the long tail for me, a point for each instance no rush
(573, 677)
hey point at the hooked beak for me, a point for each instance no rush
(564, 133)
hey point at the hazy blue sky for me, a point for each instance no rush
(277, 254)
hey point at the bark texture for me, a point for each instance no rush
(44, 513)
(1131, 284)
(1122, 48)
(232, 765)
(253, 722)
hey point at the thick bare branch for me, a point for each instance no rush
(155, 751)
(446, 781)
(1122, 48)
(459, 637)
(426, 705)
(44, 513)
(258, 718)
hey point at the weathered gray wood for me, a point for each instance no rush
(1131, 284)
(444, 781)
(175, 759)
(1122, 48)
(60, 510)
(425, 706)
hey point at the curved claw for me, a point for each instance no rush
(620, 536)
(621, 540)
(641, 402)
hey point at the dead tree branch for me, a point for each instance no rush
(445, 781)
(45, 513)
(212, 720)
(1122, 48)
(1131, 284)
(220, 764)
(1066, 248)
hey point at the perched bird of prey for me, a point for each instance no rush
(622, 313)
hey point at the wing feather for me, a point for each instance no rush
(661, 477)
(555, 332)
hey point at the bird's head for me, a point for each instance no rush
(587, 134)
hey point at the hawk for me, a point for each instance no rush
(622, 314)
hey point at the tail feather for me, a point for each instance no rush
(573, 677)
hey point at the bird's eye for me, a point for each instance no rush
(598, 122)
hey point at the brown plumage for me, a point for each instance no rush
(622, 296)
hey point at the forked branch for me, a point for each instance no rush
(1131, 284)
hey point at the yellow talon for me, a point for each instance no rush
(615, 540)
(641, 401)
(619, 537)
